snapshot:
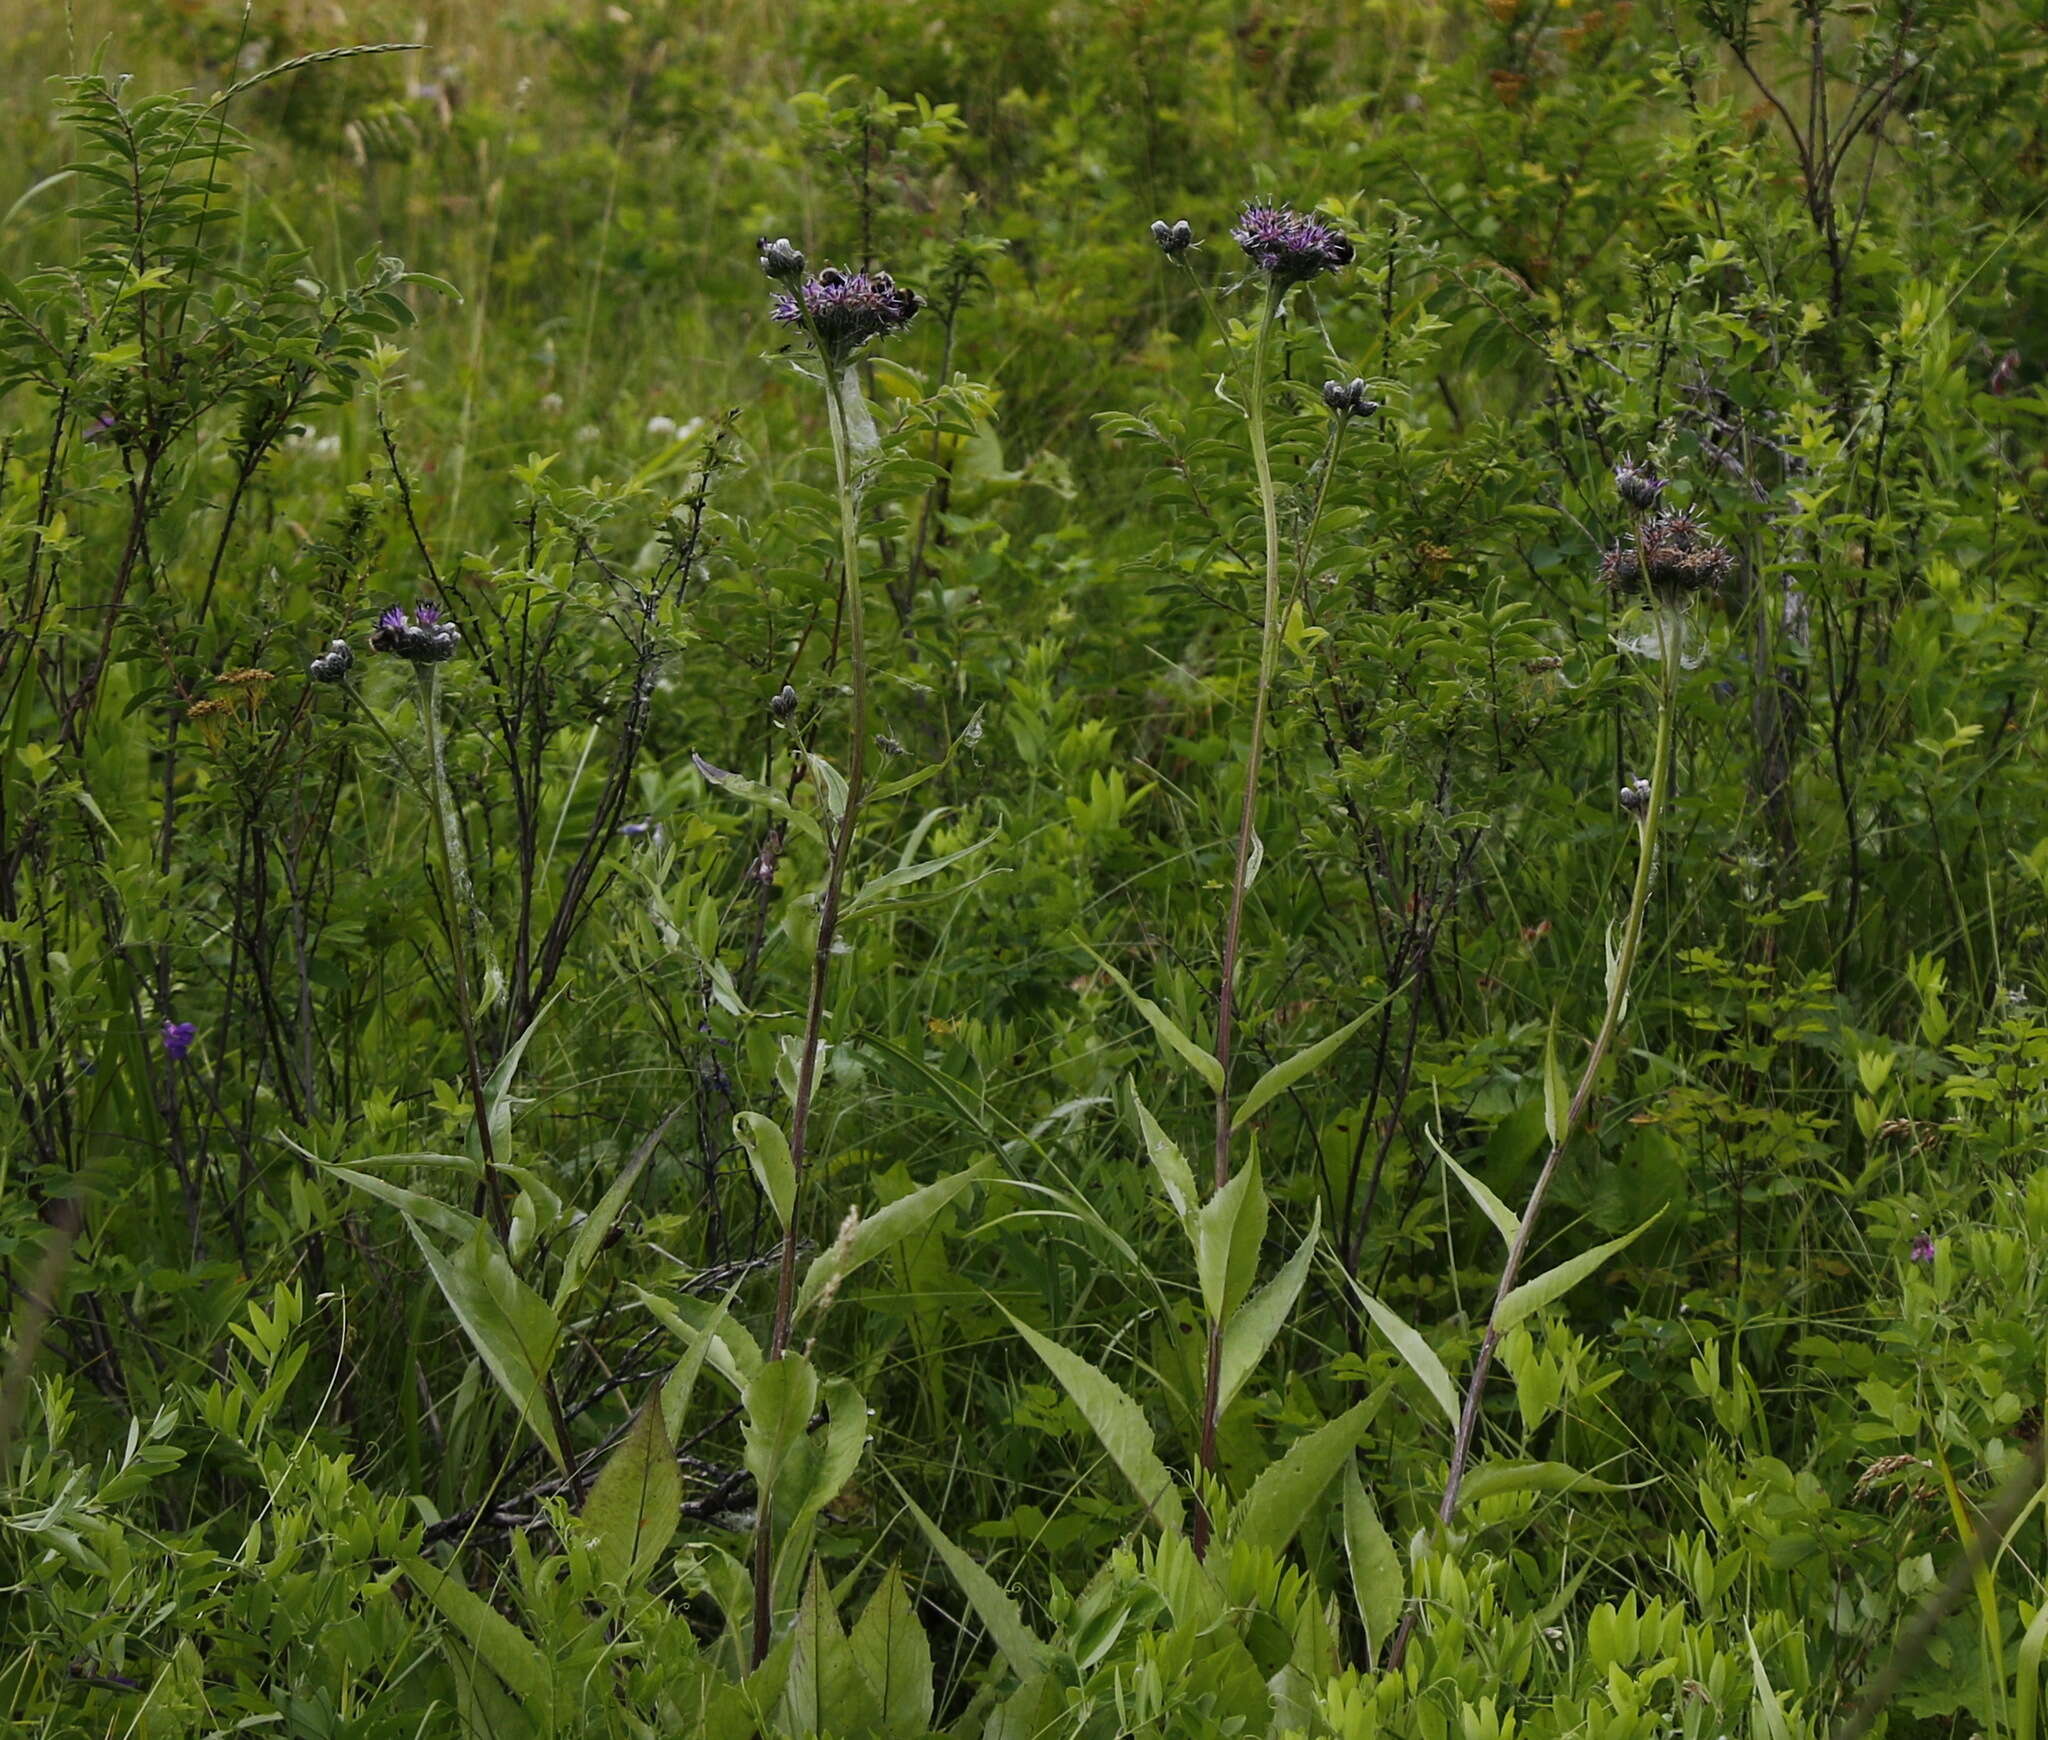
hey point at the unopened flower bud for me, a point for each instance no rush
(1349, 398)
(1637, 485)
(332, 665)
(782, 704)
(1174, 239)
(781, 259)
(1635, 797)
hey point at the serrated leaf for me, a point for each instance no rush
(1532, 1296)
(895, 1659)
(1177, 1043)
(1230, 1231)
(1421, 1357)
(992, 1605)
(508, 1324)
(1289, 1070)
(1253, 1326)
(882, 1231)
(1377, 1581)
(1272, 1512)
(1117, 1422)
(636, 1501)
(768, 1154)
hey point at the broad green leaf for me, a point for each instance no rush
(1377, 1581)
(825, 1693)
(768, 1154)
(1557, 1099)
(636, 1500)
(1532, 1296)
(1503, 1217)
(729, 1349)
(991, 1603)
(597, 1225)
(1170, 1034)
(1116, 1420)
(675, 1393)
(895, 1659)
(1272, 1512)
(499, 1644)
(444, 1218)
(507, 1323)
(1254, 1324)
(1230, 1230)
(817, 1474)
(882, 1231)
(1491, 1479)
(1168, 1161)
(779, 1403)
(753, 792)
(1289, 1070)
(1421, 1357)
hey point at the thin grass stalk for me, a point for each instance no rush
(1233, 923)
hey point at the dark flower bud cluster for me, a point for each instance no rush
(1349, 398)
(781, 259)
(1635, 796)
(1673, 554)
(1174, 239)
(782, 704)
(423, 638)
(1637, 485)
(848, 309)
(1289, 246)
(334, 664)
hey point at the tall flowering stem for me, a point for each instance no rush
(1233, 922)
(1648, 810)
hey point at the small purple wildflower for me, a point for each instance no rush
(848, 309)
(424, 638)
(1923, 1249)
(1290, 247)
(178, 1037)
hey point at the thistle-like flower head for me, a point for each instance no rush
(1289, 246)
(848, 309)
(1673, 554)
(423, 638)
(1637, 485)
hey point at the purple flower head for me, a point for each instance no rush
(429, 640)
(1290, 247)
(848, 309)
(178, 1037)
(1923, 1249)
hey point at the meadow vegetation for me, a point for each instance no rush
(1024, 868)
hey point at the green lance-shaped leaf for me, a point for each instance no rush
(1504, 1219)
(636, 1501)
(768, 1154)
(1230, 1229)
(826, 1693)
(597, 1225)
(1116, 1420)
(882, 1231)
(1253, 1326)
(895, 1659)
(508, 1324)
(778, 1403)
(1177, 1043)
(1421, 1357)
(1377, 1581)
(1272, 1512)
(1289, 1070)
(1492, 1479)
(753, 792)
(992, 1605)
(675, 1393)
(451, 1222)
(1176, 1177)
(1532, 1296)
(498, 1643)
(1557, 1098)
(881, 892)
